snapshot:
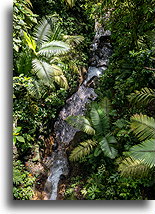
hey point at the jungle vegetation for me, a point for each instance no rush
(115, 159)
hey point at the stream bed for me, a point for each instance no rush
(101, 50)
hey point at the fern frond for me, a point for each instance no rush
(82, 150)
(106, 146)
(99, 119)
(144, 152)
(42, 31)
(53, 48)
(133, 168)
(106, 105)
(145, 96)
(143, 126)
(81, 123)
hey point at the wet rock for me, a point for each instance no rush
(102, 63)
(92, 72)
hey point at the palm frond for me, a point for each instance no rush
(134, 168)
(143, 126)
(99, 119)
(49, 73)
(81, 123)
(144, 96)
(53, 48)
(82, 150)
(35, 89)
(71, 3)
(106, 147)
(73, 40)
(144, 152)
(42, 31)
(60, 80)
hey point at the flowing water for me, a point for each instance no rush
(101, 50)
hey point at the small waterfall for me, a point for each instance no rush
(101, 50)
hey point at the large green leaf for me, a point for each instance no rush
(49, 73)
(20, 139)
(144, 152)
(143, 126)
(106, 147)
(53, 48)
(81, 123)
(99, 119)
(82, 150)
(30, 41)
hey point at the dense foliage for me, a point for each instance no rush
(115, 159)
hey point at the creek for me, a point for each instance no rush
(101, 50)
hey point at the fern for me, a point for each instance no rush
(81, 123)
(143, 126)
(82, 150)
(106, 105)
(144, 152)
(145, 96)
(99, 119)
(106, 147)
(133, 167)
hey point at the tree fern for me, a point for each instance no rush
(133, 167)
(82, 150)
(145, 96)
(53, 48)
(81, 123)
(144, 152)
(143, 126)
(106, 146)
